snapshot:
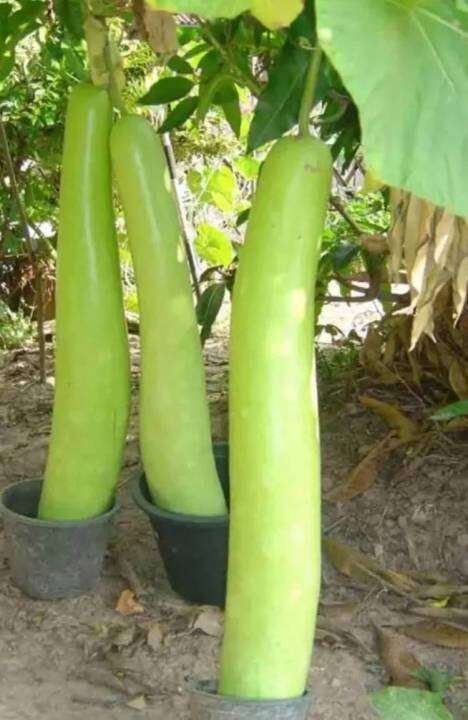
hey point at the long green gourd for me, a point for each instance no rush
(274, 544)
(92, 387)
(175, 434)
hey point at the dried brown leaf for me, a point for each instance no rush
(406, 428)
(437, 633)
(137, 703)
(458, 376)
(155, 636)
(364, 475)
(398, 661)
(441, 590)
(161, 30)
(340, 613)
(356, 565)
(210, 622)
(127, 604)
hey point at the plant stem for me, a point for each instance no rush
(191, 257)
(247, 79)
(32, 249)
(100, 56)
(309, 91)
(345, 215)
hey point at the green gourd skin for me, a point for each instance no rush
(92, 367)
(175, 437)
(274, 543)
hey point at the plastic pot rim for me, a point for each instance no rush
(150, 509)
(208, 687)
(6, 512)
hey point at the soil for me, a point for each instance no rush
(74, 658)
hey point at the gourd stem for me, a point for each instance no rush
(309, 92)
(103, 66)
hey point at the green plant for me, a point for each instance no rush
(15, 328)
(174, 422)
(92, 386)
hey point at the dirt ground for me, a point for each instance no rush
(69, 659)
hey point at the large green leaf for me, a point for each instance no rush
(271, 13)
(278, 106)
(398, 703)
(406, 66)
(205, 8)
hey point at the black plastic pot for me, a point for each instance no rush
(51, 560)
(194, 549)
(206, 704)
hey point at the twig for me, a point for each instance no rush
(111, 702)
(308, 96)
(171, 161)
(248, 80)
(32, 248)
(345, 215)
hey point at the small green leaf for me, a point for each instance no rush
(213, 245)
(398, 703)
(167, 90)
(210, 64)
(179, 65)
(449, 412)
(227, 97)
(248, 167)
(223, 187)
(277, 110)
(194, 181)
(208, 308)
(242, 217)
(180, 114)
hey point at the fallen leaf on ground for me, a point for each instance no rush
(437, 633)
(137, 703)
(210, 622)
(364, 475)
(155, 636)
(356, 565)
(122, 636)
(441, 590)
(397, 660)
(429, 576)
(406, 428)
(127, 604)
(459, 615)
(341, 613)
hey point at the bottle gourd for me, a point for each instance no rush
(92, 385)
(274, 544)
